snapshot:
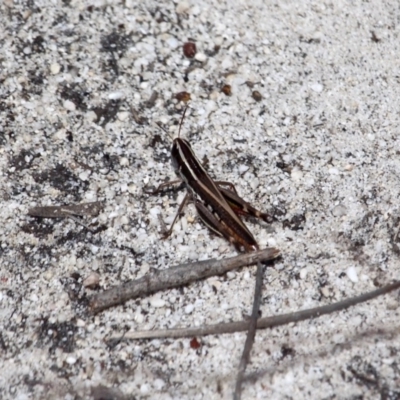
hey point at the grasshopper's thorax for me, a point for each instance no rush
(184, 161)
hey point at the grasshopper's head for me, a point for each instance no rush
(180, 153)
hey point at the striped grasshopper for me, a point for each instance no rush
(219, 207)
(217, 202)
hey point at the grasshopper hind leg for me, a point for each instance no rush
(240, 206)
(221, 229)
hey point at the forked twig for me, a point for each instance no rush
(262, 323)
(251, 333)
(175, 276)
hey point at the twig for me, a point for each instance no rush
(251, 333)
(262, 323)
(83, 209)
(174, 277)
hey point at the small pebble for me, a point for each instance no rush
(296, 174)
(157, 302)
(158, 384)
(123, 115)
(256, 95)
(84, 176)
(339, 211)
(183, 96)
(145, 388)
(182, 7)
(352, 274)
(94, 249)
(55, 68)
(80, 323)
(69, 105)
(139, 318)
(34, 297)
(230, 275)
(325, 291)
(227, 90)
(254, 183)
(124, 162)
(172, 43)
(317, 87)
(92, 280)
(201, 57)
(189, 49)
(70, 360)
(189, 308)
(154, 211)
(303, 273)
(116, 95)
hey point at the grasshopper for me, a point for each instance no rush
(219, 208)
(217, 202)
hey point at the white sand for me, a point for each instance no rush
(323, 142)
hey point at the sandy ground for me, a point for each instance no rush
(310, 129)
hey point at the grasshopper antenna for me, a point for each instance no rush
(180, 124)
(163, 129)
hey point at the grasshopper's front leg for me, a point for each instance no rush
(185, 200)
(222, 229)
(161, 187)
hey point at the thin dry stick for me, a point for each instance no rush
(83, 209)
(174, 277)
(251, 333)
(262, 323)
